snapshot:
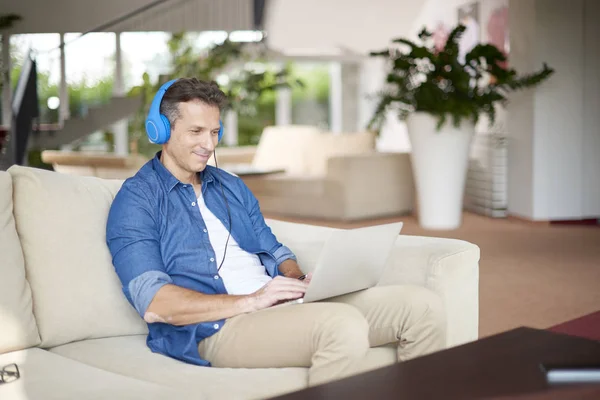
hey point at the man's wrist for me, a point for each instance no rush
(290, 269)
(247, 303)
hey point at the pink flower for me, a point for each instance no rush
(440, 36)
(497, 29)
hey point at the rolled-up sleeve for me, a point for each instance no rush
(132, 236)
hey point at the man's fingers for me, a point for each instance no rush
(291, 281)
(288, 286)
(286, 279)
(308, 278)
(288, 295)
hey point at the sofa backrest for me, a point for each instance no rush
(330, 144)
(61, 221)
(304, 150)
(285, 147)
(18, 329)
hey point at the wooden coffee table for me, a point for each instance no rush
(501, 365)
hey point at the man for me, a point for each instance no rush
(202, 268)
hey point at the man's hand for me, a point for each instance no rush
(278, 289)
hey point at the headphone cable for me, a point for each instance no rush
(228, 212)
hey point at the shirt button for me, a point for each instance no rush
(205, 230)
(193, 204)
(216, 326)
(212, 259)
(216, 276)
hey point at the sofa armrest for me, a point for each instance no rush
(448, 267)
(388, 175)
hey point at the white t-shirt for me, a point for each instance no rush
(242, 272)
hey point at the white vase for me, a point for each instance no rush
(440, 161)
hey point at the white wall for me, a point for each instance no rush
(554, 146)
(325, 26)
(520, 111)
(558, 111)
(591, 111)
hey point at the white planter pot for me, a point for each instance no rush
(440, 161)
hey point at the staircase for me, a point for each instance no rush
(26, 134)
(98, 117)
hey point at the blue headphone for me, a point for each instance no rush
(158, 127)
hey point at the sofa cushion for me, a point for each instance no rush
(48, 376)
(61, 220)
(18, 328)
(129, 356)
(285, 147)
(328, 145)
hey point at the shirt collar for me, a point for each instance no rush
(169, 179)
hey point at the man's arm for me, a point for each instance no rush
(133, 238)
(179, 306)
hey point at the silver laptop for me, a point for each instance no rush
(351, 260)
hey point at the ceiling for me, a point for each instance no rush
(331, 28)
(62, 16)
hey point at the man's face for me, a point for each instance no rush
(194, 136)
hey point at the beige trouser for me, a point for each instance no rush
(332, 337)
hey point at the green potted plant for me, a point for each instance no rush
(441, 97)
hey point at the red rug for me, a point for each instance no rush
(587, 326)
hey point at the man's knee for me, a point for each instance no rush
(420, 303)
(431, 307)
(345, 327)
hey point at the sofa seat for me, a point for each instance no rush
(48, 376)
(129, 356)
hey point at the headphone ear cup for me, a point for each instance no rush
(165, 131)
(220, 130)
(152, 130)
(158, 127)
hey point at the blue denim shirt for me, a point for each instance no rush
(156, 236)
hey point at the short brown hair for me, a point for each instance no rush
(187, 89)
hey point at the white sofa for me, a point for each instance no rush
(66, 323)
(327, 175)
